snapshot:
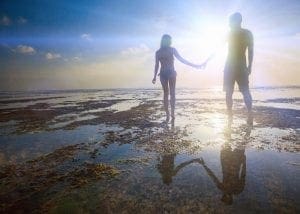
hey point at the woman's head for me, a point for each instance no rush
(166, 41)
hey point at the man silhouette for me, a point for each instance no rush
(236, 69)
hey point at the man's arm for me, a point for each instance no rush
(155, 68)
(250, 53)
(213, 177)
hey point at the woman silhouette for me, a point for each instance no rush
(165, 56)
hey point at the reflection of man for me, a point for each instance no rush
(234, 172)
(236, 69)
(233, 162)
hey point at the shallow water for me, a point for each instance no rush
(196, 164)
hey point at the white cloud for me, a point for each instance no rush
(86, 36)
(5, 20)
(24, 49)
(51, 56)
(22, 20)
(76, 58)
(139, 50)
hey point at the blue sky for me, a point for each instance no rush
(42, 42)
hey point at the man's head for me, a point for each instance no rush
(235, 20)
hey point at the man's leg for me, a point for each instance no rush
(228, 87)
(229, 101)
(248, 102)
(243, 82)
(229, 107)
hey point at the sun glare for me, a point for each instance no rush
(208, 37)
(213, 38)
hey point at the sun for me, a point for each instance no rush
(213, 37)
(207, 37)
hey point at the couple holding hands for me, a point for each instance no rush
(236, 67)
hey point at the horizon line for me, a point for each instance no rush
(144, 88)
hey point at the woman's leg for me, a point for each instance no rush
(164, 84)
(172, 84)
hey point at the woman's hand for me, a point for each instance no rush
(202, 66)
(154, 80)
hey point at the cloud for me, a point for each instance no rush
(5, 20)
(76, 58)
(22, 20)
(86, 36)
(24, 49)
(51, 56)
(135, 51)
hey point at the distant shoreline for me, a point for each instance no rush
(147, 88)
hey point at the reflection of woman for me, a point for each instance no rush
(165, 56)
(167, 169)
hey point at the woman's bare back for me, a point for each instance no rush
(166, 58)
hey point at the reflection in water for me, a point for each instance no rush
(166, 166)
(167, 169)
(233, 162)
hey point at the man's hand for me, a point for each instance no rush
(154, 80)
(249, 69)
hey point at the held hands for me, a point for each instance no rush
(202, 66)
(199, 160)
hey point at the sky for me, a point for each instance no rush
(89, 44)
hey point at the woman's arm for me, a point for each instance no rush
(155, 68)
(183, 165)
(184, 61)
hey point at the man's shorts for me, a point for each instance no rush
(230, 77)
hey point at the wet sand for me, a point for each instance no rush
(109, 151)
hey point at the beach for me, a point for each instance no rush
(106, 151)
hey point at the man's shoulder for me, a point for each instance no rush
(247, 32)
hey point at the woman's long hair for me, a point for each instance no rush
(166, 41)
